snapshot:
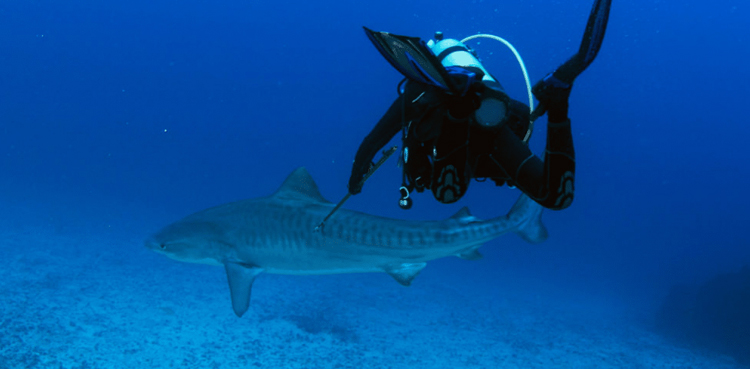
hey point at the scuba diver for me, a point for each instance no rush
(458, 124)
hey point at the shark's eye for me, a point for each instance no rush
(163, 246)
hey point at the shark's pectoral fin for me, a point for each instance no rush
(404, 273)
(241, 277)
(471, 255)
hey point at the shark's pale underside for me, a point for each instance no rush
(276, 234)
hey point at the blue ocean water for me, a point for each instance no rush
(117, 118)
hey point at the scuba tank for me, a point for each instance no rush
(454, 53)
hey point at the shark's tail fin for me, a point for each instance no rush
(528, 215)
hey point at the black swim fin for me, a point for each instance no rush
(564, 75)
(412, 57)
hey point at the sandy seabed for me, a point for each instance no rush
(93, 300)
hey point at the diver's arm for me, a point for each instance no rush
(387, 127)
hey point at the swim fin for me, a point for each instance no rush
(413, 58)
(564, 75)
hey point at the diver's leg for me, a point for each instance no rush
(548, 182)
(559, 155)
(560, 165)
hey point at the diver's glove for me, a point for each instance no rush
(554, 96)
(355, 181)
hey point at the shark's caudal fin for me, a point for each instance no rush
(529, 215)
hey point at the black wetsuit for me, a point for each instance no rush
(445, 147)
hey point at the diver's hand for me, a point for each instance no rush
(355, 186)
(355, 181)
(554, 99)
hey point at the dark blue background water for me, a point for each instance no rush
(124, 116)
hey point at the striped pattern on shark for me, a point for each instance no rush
(276, 234)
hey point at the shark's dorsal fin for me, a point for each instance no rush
(404, 273)
(464, 216)
(241, 277)
(300, 185)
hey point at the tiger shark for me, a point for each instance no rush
(277, 234)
